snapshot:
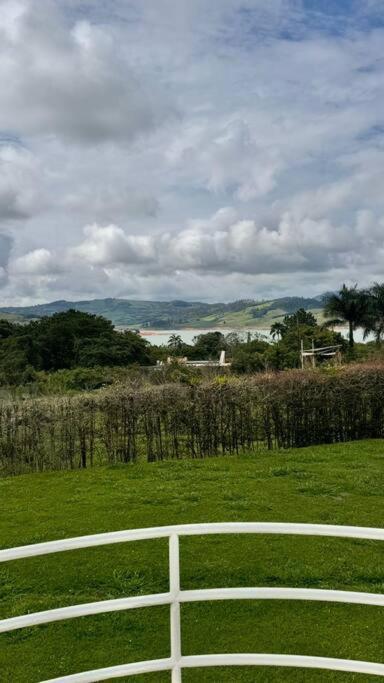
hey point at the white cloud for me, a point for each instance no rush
(37, 262)
(19, 183)
(110, 245)
(5, 249)
(227, 158)
(114, 199)
(73, 83)
(226, 244)
(279, 117)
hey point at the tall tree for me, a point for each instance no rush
(209, 345)
(175, 343)
(278, 330)
(300, 317)
(67, 340)
(351, 305)
(375, 322)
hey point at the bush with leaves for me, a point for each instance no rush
(67, 340)
(230, 415)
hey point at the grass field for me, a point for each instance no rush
(246, 319)
(339, 484)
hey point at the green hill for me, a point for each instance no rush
(174, 314)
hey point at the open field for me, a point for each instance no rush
(335, 484)
(246, 317)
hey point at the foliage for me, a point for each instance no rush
(295, 329)
(350, 305)
(295, 323)
(19, 357)
(250, 356)
(245, 361)
(374, 324)
(175, 344)
(74, 380)
(209, 345)
(192, 418)
(120, 349)
(176, 373)
(277, 330)
(73, 339)
(359, 308)
(7, 329)
(300, 317)
(66, 340)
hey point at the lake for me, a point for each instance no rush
(159, 337)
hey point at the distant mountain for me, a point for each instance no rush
(174, 314)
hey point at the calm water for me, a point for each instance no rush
(158, 337)
(161, 337)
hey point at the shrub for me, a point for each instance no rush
(130, 421)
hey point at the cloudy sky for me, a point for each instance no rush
(198, 149)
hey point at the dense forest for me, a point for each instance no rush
(66, 340)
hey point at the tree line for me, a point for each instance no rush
(358, 308)
(351, 306)
(66, 340)
(73, 340)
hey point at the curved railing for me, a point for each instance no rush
(174, 597)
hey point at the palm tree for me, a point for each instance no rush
(278, 330)
(375, 322)
(351, 306)
(175, 343)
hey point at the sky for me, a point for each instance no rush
(190, 149)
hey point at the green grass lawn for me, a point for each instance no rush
(340, 484)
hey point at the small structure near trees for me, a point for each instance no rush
(310, 357)
(220, 363)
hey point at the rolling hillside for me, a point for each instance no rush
(175, 314)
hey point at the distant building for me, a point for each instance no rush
(220, 363)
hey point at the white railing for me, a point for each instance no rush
(174, 597)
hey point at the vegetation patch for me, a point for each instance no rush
(135, 422)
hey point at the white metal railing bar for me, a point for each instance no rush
(367, 533)
(176, 662)
(83, 610)
(295, 661)
(203, 661)
(151, 666)
(203, 595)
(174, 587)
(310, 594)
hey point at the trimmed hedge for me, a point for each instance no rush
(224, 416)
